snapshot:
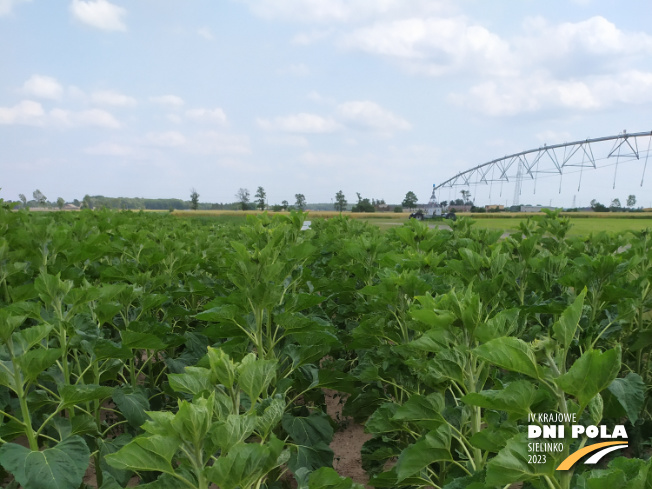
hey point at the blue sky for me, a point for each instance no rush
(150, 98)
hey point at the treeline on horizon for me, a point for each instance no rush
(137, 203)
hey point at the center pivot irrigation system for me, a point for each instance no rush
(557, 159)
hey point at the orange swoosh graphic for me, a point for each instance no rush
(574, 457)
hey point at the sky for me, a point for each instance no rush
(151, 98)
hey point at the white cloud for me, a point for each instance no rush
(540, 91)
(109, 97)
(323, 11)
(31, 113)
(26, 112)
(96, 117)
(43, 87)
(300, 123)
(205, 33)
(100, 14)
(595, 36)
(6, 6)
(168, 139)
(168, 100)
(370, 115)
(435, 46)
(216, 115)
(174, 118)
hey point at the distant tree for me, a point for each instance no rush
(466, 196)
(243, 198)
(363, 205)
(87, 202)
(76, 202)
(60, 203)
(300, 202)
(410, 200)
(444, 203)
(39, 197)
(194, 199)
(398, 209)
(285, 204)
(23, 199)
(457, 202)
(260, 198)
(615, 204)
(340, 201)
(631, 201)
(598, 207)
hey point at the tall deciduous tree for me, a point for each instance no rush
(340, 201)
(261, 197)
(631, 200)
(39, 197)
(243, 198)
(23, 199)
(194, 199)
(60, 203)
(300, 202)
(410, 200)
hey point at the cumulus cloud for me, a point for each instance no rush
(26, 112)
(370, 115)
(6, 6)
(168, 100)
(100, 14)
(109, 97)
(540, 91)
(216, 115)
(299, 123)
(32, 113)
(323, 11)
(596, 36)
(434, 45)
(43, 87)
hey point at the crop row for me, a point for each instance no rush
(184, 353)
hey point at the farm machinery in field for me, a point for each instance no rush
(433, 211)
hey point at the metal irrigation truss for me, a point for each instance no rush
(557, 159)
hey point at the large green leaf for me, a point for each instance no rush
(511, 465)
(60, 467)
(434, 447)
(327, 478)
(516, 397)
(424, 411)
(590, 374)
(310, 429)
(151, 453)
(629, 393)
(132, 403)
(34, 362)
(566, 326)
(245, 464)
(255, 376)
(82, 393)
(511, 354)
(235, 429)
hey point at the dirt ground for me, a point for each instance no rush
(347, 441)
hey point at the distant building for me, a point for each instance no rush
(459, 208)
(494, 207)
(536, 208)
